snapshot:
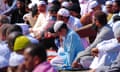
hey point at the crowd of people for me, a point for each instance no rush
(82, 34)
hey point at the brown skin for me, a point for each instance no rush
(109, 8)
(41, 8)
(115, 8)
(20, 4)
(62, 32)
(62, 18)
(30, 62)
(94, 51)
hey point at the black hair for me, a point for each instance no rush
(101, 17)
(14, 28)
(4, 19)
(34, 10)
(4, 29)
(116, 18)
(75, 7)
(11, 38)
(38, 50)
(117, 2)
(63, 26)
(54, 8)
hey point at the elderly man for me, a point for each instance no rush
(71, 21)
(71, 45)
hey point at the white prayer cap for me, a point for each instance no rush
(116, 29)
(108, 3)
(3, 62)
(50, 1)
(16, 59)
(35, 1)
(57, 25)
(93, 4)
(31, 5)
(41, 3)
(65, 4)
(64, 12)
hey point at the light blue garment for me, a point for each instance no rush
(72, 45)
(4, 50)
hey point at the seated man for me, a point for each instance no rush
(104, 33)
(71, 44)
(106, 51)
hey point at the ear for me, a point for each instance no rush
(36, 60)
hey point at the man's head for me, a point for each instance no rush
(94, 5)
(100, 18)
(61, 28)
(75, 10)
(41, 6)
(20, 4)
(108, 5)
(4, 20)
(116, 6)
(63, 15)
(3, 31)
(34, 55)
(53, 10)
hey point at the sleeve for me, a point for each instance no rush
(109, 47)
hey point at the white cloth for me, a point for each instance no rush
(93, 4)
(15, 59)
(63, 12)
(3, 62)
(74, 23)
(58, 25)
(108, 51)
(4, 50)
(65, 4)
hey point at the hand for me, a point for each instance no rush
(75, 64)
(94, 51)
(30, 30)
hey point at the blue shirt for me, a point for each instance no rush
(72, 46)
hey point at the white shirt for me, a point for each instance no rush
(4, 50)
(108, 51)
(74, 23)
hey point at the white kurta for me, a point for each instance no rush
(108, 51)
